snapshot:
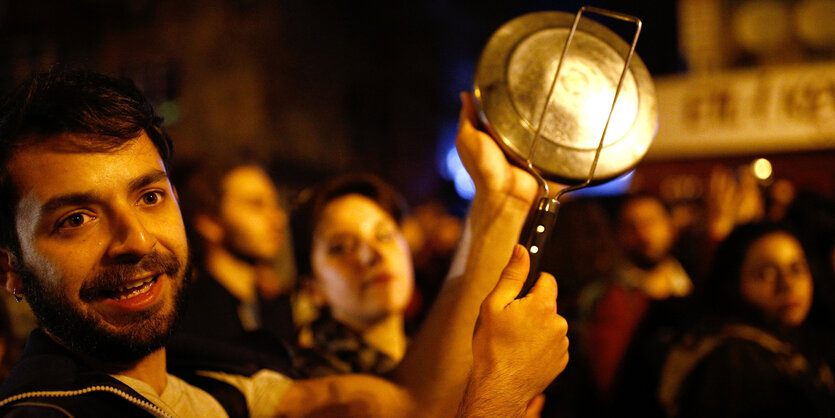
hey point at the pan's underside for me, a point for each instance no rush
(514, 76)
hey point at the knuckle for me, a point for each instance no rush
(562, 323)
(488, 309)
(485, 308)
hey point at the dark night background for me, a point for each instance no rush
(316, 87)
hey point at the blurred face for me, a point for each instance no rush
(361, 261)
(646, 231)
(775, 278)
(253, 221)
(103, 247)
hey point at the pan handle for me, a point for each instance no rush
(540, 227)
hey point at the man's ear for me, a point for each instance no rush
(8, 269)
(208, 228)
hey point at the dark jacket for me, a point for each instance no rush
(744, 371)
(50, 381)
(210, 331)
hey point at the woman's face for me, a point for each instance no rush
(361, 261)
(775, 278)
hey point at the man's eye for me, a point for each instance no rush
(75, 220)
(151, 198)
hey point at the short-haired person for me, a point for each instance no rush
(93, 238)
(354, 261)
(237, 234)
(646, 279)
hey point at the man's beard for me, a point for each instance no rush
(236, 245)
(84, 333)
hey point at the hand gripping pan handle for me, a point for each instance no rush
(539, 230)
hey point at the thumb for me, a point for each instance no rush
(512, 278)
(545, 289)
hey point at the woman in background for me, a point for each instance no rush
(355, 264)
(753, 353)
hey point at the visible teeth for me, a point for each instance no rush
(133, 289)
(135, 284)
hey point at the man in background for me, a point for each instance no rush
(237, 231)
(639, 307)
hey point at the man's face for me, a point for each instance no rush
(103, 248)
(253, 221)
(646, 231)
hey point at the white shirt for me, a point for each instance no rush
(263, 392)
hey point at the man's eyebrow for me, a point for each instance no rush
(147, 179)
(72, 199)
(81, 198)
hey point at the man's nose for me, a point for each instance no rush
(130, 237)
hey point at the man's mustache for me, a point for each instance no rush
(111, 278)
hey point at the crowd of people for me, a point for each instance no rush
(726, 315)
(134, 319)
(155, 293)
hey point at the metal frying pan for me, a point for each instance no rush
(567, 99)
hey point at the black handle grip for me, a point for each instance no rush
(540, 227)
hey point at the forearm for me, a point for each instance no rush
(346, 396)
(480, 401)
(496, 224)
(439, 360)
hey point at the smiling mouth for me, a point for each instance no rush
(133, 289)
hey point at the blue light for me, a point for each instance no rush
(446, 147)
(619, 185)
(453, 169)
(453, 164)
(464, 184)
(449, 162)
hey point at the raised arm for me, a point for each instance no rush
(435, 372)
(440, 358)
